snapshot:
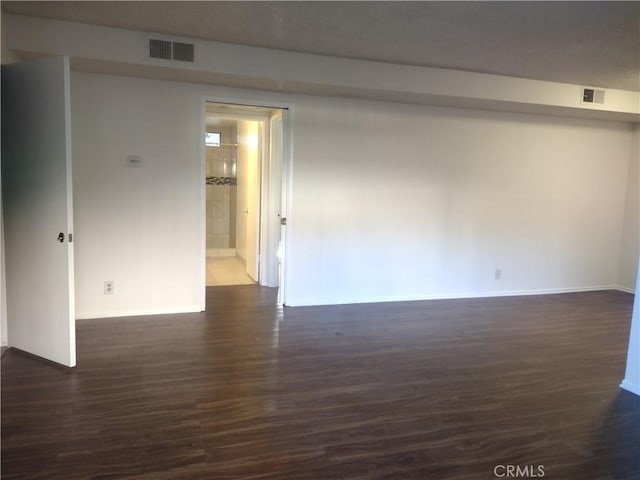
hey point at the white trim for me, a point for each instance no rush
(630, 386)
(625, 289)
(251, 117)
(137, 313)
(448, 296)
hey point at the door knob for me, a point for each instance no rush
(61, 237)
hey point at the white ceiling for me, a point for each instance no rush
(588, 43)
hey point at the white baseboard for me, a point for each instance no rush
(381, 299)
(306, 302)
(630, 386)
(626, 289)
(137, 313)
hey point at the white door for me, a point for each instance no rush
(37, 208)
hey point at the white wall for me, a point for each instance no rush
(630, 247)
(393, 201)
(137, 226)
(389, 201)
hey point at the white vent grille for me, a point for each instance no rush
(169, 50)
(593, 95)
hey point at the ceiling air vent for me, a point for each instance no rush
(169, 50)
(160, 49)
(593, 95)
(183, 51)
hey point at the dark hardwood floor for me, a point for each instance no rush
(415, 390)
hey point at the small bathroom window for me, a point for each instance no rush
(213, 139)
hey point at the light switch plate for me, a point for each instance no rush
(134, 160)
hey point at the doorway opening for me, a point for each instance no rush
(243, 168)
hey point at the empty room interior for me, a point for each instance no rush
(320, 240)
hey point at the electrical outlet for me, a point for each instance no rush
(108, 287)
(498, 274)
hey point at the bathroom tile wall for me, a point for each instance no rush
(221, 191)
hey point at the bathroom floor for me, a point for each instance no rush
(227, 271)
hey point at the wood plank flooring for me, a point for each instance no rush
(414, 390)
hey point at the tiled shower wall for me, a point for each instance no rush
(221, 192)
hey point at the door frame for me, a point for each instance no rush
(287, 160)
